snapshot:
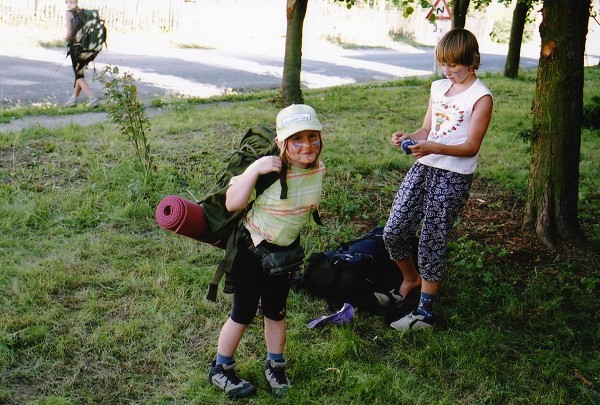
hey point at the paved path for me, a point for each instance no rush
(53, 121)
(41, 76)
(58, 121)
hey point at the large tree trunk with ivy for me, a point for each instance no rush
(292, 63)
(459, 12)
(552, 197)
(511, 67)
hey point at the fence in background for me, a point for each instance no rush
(122, 15)
(369, 22)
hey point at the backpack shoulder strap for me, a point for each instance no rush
(283, 181)
(225, 267)
(266, 180)
(317, 217)
(76, 23)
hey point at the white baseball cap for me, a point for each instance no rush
(296, 118)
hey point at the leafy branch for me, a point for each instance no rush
(129, 114)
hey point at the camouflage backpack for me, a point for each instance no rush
(89, 34)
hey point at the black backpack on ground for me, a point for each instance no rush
(353, 274)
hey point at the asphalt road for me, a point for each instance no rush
(36, 75)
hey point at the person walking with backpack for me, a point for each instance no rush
(78, 60)
(268, 245)
(437, 185)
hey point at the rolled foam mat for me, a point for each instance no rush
(184, 217)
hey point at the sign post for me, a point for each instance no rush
(443, 17)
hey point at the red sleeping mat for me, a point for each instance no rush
(184, 217)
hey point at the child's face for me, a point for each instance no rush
(456, 73)
(71, 4)
(303, 148)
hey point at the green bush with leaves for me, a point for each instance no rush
(125, 109)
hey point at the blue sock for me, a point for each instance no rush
(278, 357)
(425, 307)
(223, 359)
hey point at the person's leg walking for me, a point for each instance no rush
(85, 87)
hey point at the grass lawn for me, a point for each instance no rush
(99, 305)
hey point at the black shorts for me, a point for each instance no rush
(253, 284)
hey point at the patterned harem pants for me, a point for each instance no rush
(435, 197)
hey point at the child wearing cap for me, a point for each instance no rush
(437, 185)
(272, 224)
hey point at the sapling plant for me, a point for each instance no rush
(129, 114)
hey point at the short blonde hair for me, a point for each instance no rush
(458, 47)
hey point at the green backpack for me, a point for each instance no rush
(89, 34)
(258, 142)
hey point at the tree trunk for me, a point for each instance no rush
(511, 68)
(292, 63)
(552, 196)
(459, 13)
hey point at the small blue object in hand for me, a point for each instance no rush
(406, 143)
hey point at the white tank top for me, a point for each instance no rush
(450, 120)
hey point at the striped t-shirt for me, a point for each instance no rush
(279, 221)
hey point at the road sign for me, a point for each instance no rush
(440, 10)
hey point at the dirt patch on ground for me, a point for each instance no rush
(494, 218)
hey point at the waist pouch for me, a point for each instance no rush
(276, 263)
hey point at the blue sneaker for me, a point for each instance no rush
(224, 377)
